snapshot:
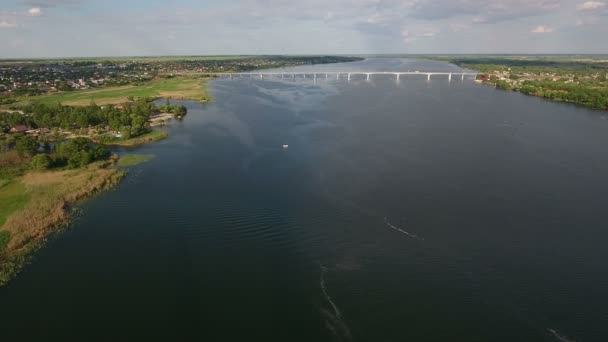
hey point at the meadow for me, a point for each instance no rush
(178, 88)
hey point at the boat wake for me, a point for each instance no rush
(333, 320)
(413, 236)
(558, 336)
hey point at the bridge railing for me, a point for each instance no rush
(348, 74)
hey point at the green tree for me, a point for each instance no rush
(126, 132)
(26, 146)
(79, 159)
(41, 162)
(101, 153)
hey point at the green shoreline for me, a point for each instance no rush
(583, 82)
(152, 136)
(48, 208)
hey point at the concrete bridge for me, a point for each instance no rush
(338, 74)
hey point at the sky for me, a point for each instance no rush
(74, 28)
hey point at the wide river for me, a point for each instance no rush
(401, 211)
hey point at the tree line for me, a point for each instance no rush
(131, 119)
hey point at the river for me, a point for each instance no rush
(408, 210)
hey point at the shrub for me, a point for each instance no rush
(41, 162)
(5, 237)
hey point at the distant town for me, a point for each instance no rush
(23, 78)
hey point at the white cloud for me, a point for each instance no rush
(542, 29)
(592, 5)
(483, 11)
(6, 24)
(35, 11)
(8, 19)
(459, 27)
(410, 36)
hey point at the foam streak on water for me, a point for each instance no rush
(413, 236)
(559, 337)
(334, 321)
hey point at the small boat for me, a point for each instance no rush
(285, 146)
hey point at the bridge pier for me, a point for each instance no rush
(261, 76)
(449, 77)
(337, 75)
(428, 77)
(462, 77)
(398, 76)
(349, 76)
(326, 76)
(368, 76)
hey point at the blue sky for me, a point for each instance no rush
(59, 28)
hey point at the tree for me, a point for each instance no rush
(101, 153)
(125, 132)
(41, 162)
(26, 146)
(79, 159)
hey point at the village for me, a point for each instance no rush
(20, 78)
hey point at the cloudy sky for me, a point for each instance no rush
(57, 28)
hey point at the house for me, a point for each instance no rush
(19, 129)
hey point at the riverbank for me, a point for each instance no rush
(38, 203)
(557, 78)
(152, 136)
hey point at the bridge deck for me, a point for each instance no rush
(342, 72)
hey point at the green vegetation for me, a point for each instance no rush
(570, 79)
(13, 196)
(134, 159)
(125, 125)
(35, 204)
(4, 239)
(41, 162)
(183, 88)
(153, 135)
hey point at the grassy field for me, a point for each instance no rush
(12, 198)
(43, 198)
(154, 135)
(134, 159)
(175, 88)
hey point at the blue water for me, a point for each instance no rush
(401, 211)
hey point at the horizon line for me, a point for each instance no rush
(307, 55)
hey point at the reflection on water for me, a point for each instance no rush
(402, 210)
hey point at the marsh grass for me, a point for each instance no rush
(50, 194)
(134, 159)
(13, 196)
(4, 239)
(154, 135)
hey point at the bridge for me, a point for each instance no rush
(348, 74)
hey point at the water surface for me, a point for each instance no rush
(401, 211)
